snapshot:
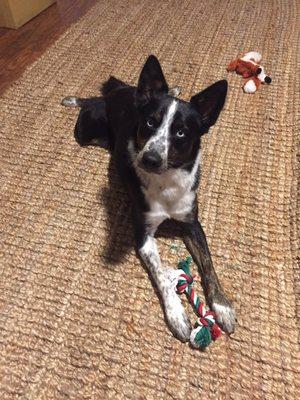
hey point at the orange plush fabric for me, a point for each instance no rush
(244, 68)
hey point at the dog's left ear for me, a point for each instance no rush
(151, 81)
(209, 103)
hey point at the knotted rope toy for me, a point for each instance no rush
(206, 328)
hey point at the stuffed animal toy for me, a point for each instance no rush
(248, 66)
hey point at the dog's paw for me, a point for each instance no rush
(178, 321)
(225, 315)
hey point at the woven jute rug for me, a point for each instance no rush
(79, 318)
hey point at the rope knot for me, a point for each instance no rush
(206, 328)
(184, 282)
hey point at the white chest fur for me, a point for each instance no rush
(169, 195)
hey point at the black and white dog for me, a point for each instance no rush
(155, 141)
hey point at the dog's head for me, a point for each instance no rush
(169, 129)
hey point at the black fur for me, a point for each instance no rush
(112, 84)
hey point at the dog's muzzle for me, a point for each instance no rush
(151, 161)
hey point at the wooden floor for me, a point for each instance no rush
(20, 47)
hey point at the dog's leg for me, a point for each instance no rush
(91, 127)
(196, 244)
(166, 281)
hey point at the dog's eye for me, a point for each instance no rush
(180, 134)
(150, 123)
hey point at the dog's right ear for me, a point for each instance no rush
(151, 82)
(209, 103)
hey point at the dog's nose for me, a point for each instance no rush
(268, 80)
(151, 160)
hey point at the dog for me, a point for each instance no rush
(155, 140)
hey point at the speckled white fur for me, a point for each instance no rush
(166, 281)
(226, 316)
(169, 195)
(175, 91)
(160, 141)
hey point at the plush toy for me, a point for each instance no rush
(206, 328)
(248, 66)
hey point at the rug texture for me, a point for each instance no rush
(79, 318)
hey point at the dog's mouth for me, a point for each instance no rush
(151, 169)
(151, 162)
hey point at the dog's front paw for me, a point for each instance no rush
(225, 315)
(178, 321)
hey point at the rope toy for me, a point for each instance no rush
(206, 328)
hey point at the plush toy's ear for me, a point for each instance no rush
(151, 81)
(210, 102)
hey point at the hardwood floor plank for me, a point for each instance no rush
(20, 47)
